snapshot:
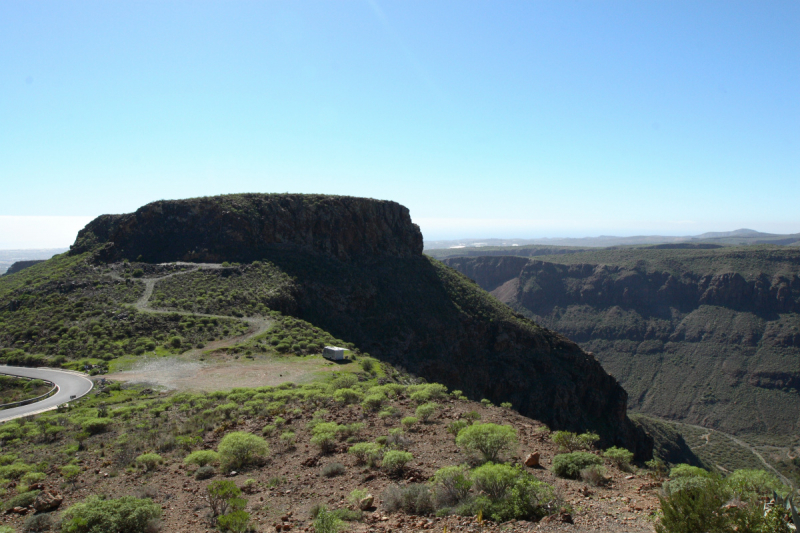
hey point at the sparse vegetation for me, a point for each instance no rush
(570, 465)
(489, 440)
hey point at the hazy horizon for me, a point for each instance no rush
(43, 232)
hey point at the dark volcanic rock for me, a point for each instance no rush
(242, 227)
(360, 275)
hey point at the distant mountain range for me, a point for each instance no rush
(723, 238)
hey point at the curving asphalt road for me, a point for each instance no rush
(69, 384)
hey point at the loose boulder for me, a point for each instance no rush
(532, 460)
(47, 501)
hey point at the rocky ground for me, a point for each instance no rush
(290, 483)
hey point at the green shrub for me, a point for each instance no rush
(70, 472)
(569, 465)
(694, 508)
(350, 430)
(506, 405)
(394, 461)
(472, 416)
(237, 521)
(324, 435)
(222, 494)
(456, 426)
(149, 461)
(14, 470)
(490, 440)
(571, 442)
(619, 456)
(373, 402)
(347, 396)
(327, 522)
(451, 485)
(29, 479)
(409, 422)
(486, 403)
(344, 381)
(425, 393)
(287, 440)
(268, 430)
(494, 479)
(240, 449)
(202, 458)
(124, 515)
(509, 493)
(426, 410)
(365, 452)
(94, 426)
(751, 484)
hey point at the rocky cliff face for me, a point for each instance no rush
(242, 227)
(359, 274)
(716, 346)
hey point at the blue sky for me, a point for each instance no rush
(505, 119)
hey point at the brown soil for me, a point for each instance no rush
(625, 505)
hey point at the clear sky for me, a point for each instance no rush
(506, 119)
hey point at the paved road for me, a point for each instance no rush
(69, 384)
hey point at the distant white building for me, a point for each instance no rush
(334, 353)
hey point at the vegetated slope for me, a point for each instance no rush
(710, 337)
(133, 441)
(65, 311)
(358, 272)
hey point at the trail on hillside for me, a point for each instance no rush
(256, 325)
(741, 443)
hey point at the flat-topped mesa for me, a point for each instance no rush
(242, 227)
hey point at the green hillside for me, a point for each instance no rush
(126, 289)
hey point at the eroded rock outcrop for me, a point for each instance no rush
(243, 227)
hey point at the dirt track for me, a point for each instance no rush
(187, 372)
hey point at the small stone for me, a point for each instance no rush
(366, 502)
(532, 460)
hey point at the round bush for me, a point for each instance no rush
(240, 449)
(618, 456)
(490, 440)
(205, 472)
(394, 461)
(426, 410)
(202, 457)
(149, 461)
(94, 426)
(569, 465)
(365, 451)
